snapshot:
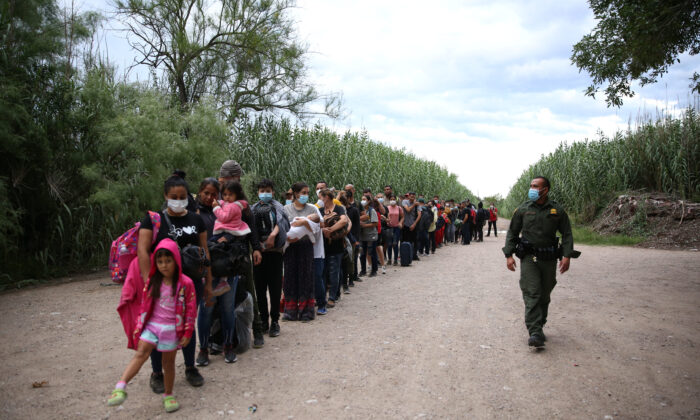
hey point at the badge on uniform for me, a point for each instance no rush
(553, 211)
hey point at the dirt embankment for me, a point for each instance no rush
(667, 222)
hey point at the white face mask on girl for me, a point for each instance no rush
(177, 206)
(392, 202)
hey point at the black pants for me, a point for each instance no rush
(466, 233)
(268, 276)
(495, 232)
(433, 244)
(479, 232)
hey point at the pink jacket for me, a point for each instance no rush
(136, 306)
(228, 217)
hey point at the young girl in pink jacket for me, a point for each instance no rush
(166, 322)
(228, 213)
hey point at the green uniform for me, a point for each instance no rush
(539, 225)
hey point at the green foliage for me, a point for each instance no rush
(286, 154)
(587, 236)
(663, 155)
(637, 40)
(242, 54)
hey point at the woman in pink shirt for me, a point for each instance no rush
(395, 223)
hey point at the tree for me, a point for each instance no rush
(243, 53)
(637, 40)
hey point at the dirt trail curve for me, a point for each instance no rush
(442, 339)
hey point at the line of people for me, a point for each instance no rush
(303, 256)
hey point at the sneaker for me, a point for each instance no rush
(266, 327)
(352, 284)
(330, 303)
(321, 311)
(274, 329)
(415, 258)
(358, 280)
(202, 358)
(170, 404)
(258, 340)
(373, 274)
(383, 269)
(156, 383)
(535, 340)
(362, 273)
(193, 377)
(396, 263)
(118, 397)
(230, 356)
(346, 290)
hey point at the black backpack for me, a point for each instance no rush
(426, 218)
(265, 219)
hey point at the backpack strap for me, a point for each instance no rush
(155, 221)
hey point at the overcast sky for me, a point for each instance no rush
(484, 88)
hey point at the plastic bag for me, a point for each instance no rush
(244, 322)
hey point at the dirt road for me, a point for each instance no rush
(442, 339)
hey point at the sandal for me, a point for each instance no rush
(118, 397)
(170, 404)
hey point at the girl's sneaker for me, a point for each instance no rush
(170, 404)
(118, 397)
(383, 269)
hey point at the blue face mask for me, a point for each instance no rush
(303, 199)
(533, 194)
(265, 197)
(288, 202)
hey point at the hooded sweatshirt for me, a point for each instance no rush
(136, 304)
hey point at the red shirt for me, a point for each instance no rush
(493, 214)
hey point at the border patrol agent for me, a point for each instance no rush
(538, 219)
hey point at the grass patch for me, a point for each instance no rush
(587, 236)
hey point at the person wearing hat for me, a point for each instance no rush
(232, 171)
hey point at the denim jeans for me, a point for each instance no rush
(394, 246)
(423, 241)
(371, 247)
(319, 282)
(227, 305)
(334, 271)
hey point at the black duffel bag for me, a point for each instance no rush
(229, 258)
(194, 262)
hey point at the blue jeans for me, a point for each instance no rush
(333, 262)
(371, 247)
(319, 282)
(227, 305)
(394, 245)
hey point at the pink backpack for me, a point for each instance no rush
(123, 249)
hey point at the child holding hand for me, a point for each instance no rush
(166, 323)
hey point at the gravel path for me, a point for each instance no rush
(442, 339)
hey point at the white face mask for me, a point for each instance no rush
(320, 202)
(392, 202)
(381, 200)
(363, 202)
(177, 206)
(318, 192)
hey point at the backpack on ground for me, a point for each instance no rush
(123, 249)
(406, 254)
(265, 219)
